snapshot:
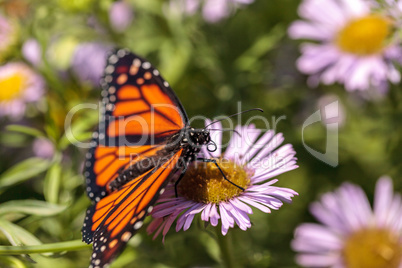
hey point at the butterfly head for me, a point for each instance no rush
(199, 137)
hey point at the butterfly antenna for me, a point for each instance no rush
(215, 147)
(235, 131)
(226, 117)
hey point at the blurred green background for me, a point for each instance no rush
(246, 57)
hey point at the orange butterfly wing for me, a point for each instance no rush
(112, 221)
(140, 111)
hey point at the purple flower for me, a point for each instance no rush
(19, 85)
(353, 45)
(43, 148)
(249, 162)
(212, 10)
(32, 52)
(89, 61)
(350, 233)
(120, 16)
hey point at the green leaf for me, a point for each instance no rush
(261, 47)
(17, 235)
(11, 261)
(52, 183)
(31, 207)
(211, 246)
(13, 140)
(25, 130)
(23, 171)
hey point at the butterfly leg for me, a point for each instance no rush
(179, 179)
(223, 174)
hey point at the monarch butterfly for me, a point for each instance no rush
(143, 138)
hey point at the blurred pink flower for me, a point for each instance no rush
(43, 148)
(250, 161)
(89, 61)
(32, 51)
(350, 232)
(212, 10)
(352, 44)
(19, 85)
(120, 16)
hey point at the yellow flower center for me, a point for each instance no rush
(373, 248)
(11, 87)
(364, 36)
(204, 183)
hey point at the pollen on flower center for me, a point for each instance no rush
(11, 87)
(204, 182)
(373, 248)
(364, 36)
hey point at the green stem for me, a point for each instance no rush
(226, 247)
(45, 248)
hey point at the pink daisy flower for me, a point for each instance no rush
(350, 233)
(353, 44)
(19, 85)
(250, 161)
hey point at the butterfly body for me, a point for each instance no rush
(143, 139)
(189, 139)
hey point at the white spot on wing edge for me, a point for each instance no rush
(138, 225)
(113, 59)
(146, 65)
(109, 69)
(137, 62)
(126, 236)
(112, 90)
(121, 53)
(108, 78)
